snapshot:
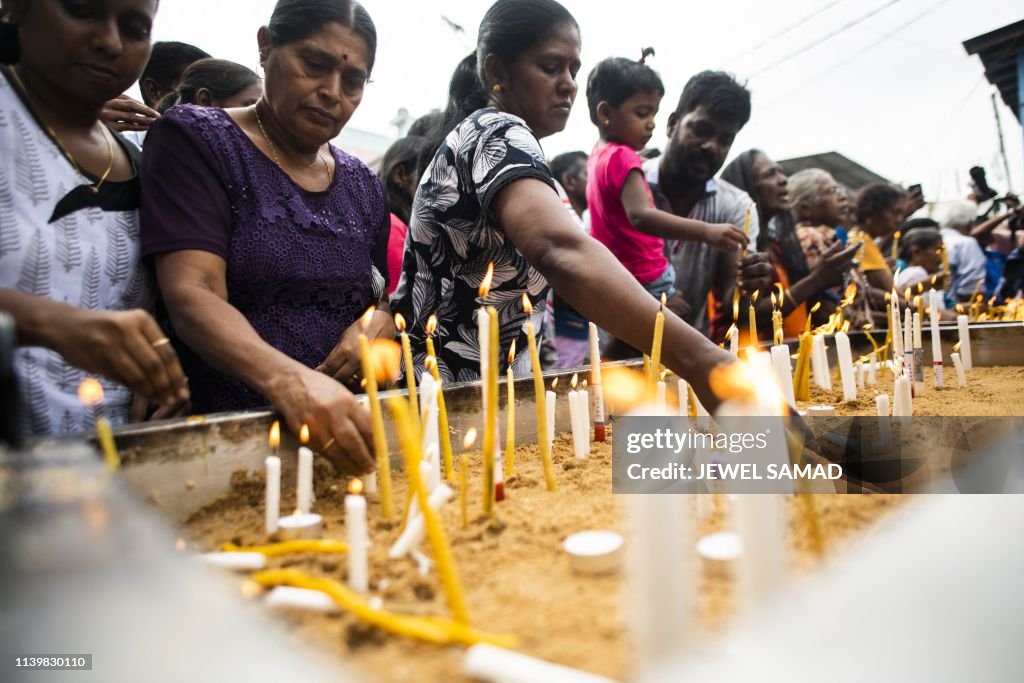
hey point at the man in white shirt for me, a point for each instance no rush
(966, 258)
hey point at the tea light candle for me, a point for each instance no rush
(287, 597)
(960, 376)
(239, 562)
(594, 552)
(273, 492)
(821, 411)
(846, 366)
(299, 525)
(358, 537)
(964, 331)
(720, 551)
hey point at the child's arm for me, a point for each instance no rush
(636, 201)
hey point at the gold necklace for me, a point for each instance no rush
(60, 145)
(273, 149)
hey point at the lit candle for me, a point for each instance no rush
(380, 442)
(895, 245)
(538, 392)
(585, 414)
(491, 412)
(958, 365)
(446, 568)
(752, 321)
(846, 366)
(431, 441)
(549, 410)
(964, 332)
(358, 537)
(936, 339)
(304, 480)
(510, 414)
(897, 327)
(733, 336)
(90, 393)
(410, 372)
(659, 330)
(575, 424)
(802, 374)
(442, 410)
(595, 381)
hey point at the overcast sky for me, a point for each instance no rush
(885, 82)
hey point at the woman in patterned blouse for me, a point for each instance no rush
(69, 195)
(488, 197)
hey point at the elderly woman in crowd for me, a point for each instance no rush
(268, 242)
(803, 284)
(488, 196)
(818, 203)
(70, 270)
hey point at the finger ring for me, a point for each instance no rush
(160, 342)
(330, 442)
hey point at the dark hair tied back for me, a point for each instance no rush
(299, 19)
(10, 48)
(645, 53)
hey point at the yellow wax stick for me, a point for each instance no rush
(655, 366)
(380, 441)
(106, 439)
(410, 371)
(307, 545)
(491, 411)
(540, 398)
(752, 321)
(442, 416)
(802, 375)
(510, 417)
(464, 489)
(446, 569)
(428, 629)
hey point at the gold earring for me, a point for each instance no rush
(496, 88)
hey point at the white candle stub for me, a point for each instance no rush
(299, 525)
(719, 551)
(239, 562)
(497, 665)
(820, 411)
(301, 598)
(594, 552)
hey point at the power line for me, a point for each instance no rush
(855, 55)
(828, 36)
(778, 34)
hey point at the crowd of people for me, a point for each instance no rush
(209, 249)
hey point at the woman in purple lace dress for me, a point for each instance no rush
(268, 242)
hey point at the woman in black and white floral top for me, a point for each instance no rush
(488, 197)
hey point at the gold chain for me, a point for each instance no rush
(273, 149)
(60, 145)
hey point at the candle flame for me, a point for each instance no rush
(753, 299)
(362, 383)
(815, 307)
(95, 514)
(90, 392)
(554, 383)
(355, 486)
(527, 304)
(907, 295)
(935, 279)
(888, 297)
(274, 438)
(512, 352)
(736, 306)
(846, 326)
(469, 439)
(431, 324)
(623, 388)
(250, 589)
(664, 373)
(664, 300)
(782, 292)
(731, 331)
(775, 302)
(732, 381)
(485, 284)
(430, 362)
(386, 355)
(574, 381)
(367, 317)
(400, 322)
(583, 384)
(960, 309)
(180, 545)
(867, 327)
(920, 287)
(304, 434)
(956, 347)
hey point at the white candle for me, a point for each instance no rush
(960, 376)
(918, 355)
(575, 424)
(304, 482)
(908, 341)
(415, 530)
(936, 339)
(882, 405)
(492, 664)
(660, 400)
(783, 372)
(965, 342)
(239, 562)
(683, 391)
(819, 363)
(860, 372)
(358, 538)
(431, 442)
(273, 496)
(896, 327)
(872, 367)
(903, 402)
(281, 597)
(846, 366)
(585, 418)
(734, 342)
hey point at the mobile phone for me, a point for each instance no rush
(915, 189)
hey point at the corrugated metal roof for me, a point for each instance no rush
(843, 169)
(998, 51)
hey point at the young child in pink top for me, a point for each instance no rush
(624, 96)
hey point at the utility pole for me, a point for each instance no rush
(1002, 146)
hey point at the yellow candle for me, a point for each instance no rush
(467, 443)
(428, 629)
(446, 568)
(752, 320)
(895, 244)
(659, 330)
(802, 374)
(410, 371)
(380, 442)
(305, 545)
(510, 415)
(442, 409)
(539, 399)
(491, 410)
(106, 439)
